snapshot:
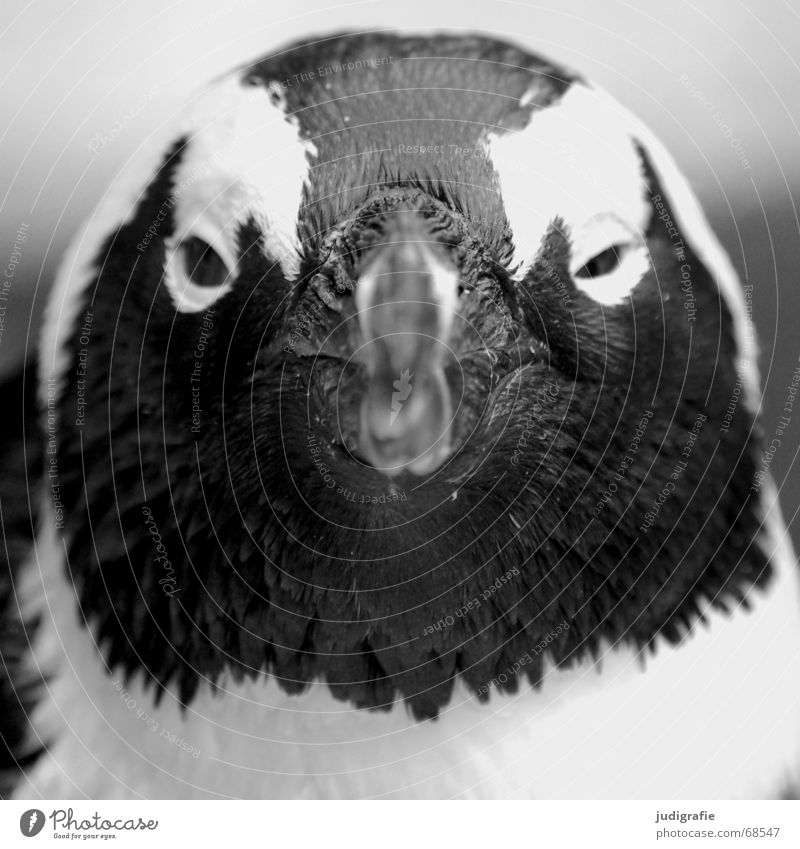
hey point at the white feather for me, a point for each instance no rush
(574, 160)
(245, 156)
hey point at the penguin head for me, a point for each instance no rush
(408, 353)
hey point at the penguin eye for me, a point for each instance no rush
(609, 258)
(196, 274)
(202, 264)
(603, 263)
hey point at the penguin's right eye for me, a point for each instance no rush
(196, 275)
(202, 264)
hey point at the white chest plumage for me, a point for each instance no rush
(717, 717)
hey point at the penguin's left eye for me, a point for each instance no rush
(608, 258)
(196, 274)
(603, 263)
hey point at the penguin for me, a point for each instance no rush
(398, 433)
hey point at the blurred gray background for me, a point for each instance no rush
(83, 83)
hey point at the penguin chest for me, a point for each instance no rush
(715, 717)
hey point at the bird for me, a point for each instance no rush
(398, 436)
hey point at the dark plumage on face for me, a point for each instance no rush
(344, 448)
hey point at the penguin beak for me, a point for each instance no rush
(406, 298)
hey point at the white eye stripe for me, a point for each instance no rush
(239, 139)
(573, 161)
(605, 165)
(591, 114)
(247, 159)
